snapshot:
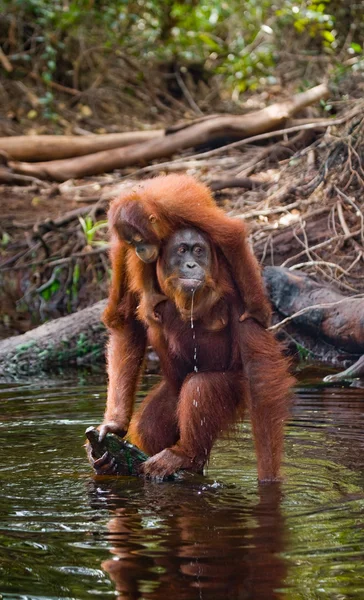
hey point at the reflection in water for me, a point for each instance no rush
(183, 541)
(66, 534)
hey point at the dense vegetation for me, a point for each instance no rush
(97, 43)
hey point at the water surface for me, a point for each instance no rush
(65, 534)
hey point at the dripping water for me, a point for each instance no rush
(195, 368)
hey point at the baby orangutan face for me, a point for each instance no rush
(146, 251)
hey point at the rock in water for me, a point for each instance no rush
(128, 458)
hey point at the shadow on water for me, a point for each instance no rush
(65, 534)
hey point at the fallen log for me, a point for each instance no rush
(238, 182)
(6, 176)
(353, 372)
(32, 148)
(201, 132)
(319, 310)
(77, 339)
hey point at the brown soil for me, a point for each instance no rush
(28, 206)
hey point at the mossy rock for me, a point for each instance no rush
(127, 457)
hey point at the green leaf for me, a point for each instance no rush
(97, 226)
(211, 43)
(5, 239)
(76, 274)
(47, 77)
(329, 36)
(55, 287)
(83, 224)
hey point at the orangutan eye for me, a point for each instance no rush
(137, 239)
(181, 250)
(198, 250)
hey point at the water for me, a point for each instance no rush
(64, 534)
(195, 368)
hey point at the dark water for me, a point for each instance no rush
(65, 535)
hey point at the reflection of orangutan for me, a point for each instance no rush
(211, 370)
(217, 545)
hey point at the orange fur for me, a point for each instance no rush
(239, 364)
(160, 206)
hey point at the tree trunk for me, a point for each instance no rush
(52, 147)
(353, 372)
(333, 318)
(202, 132)
(76, 339)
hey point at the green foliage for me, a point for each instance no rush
(90, 228)
(72, 292)
(312, 18)
(238, 40)
(5, 239)
(51, 287)
(303, 353)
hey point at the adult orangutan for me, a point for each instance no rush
(211, 371)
